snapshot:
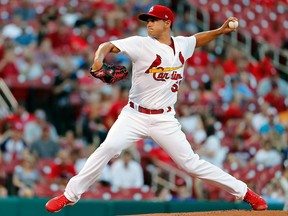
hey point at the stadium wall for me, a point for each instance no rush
(15, 206)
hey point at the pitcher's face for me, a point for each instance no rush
(156, 27)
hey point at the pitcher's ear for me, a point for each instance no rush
(167, 22)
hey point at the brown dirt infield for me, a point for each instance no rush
(225, 213)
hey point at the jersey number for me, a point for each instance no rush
(175, 86)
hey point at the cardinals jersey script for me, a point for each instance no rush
(157, 68)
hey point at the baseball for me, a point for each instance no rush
(233, 24)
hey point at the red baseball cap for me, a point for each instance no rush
(18, 126)
(158, 11)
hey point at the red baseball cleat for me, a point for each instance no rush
(57, 203)
(256, 201)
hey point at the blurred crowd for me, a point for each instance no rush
(232, 109)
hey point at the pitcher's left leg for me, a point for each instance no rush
(169, 136)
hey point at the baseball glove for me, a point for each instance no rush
(110, 73)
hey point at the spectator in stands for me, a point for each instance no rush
(261, 116)
(156, 153)
(117, 106)
(62, 169)
(25, 10)
(275, 98)
(248, 79)
(29, 68)
(267, 155)
(70, 142)
(8, 67)
(96, 131)
(45, 147)
(246, 130)
(25, 176)
(192, 124)
(27, 37)
(274, 131)
(45, 56)
(208, 96)
(229, 64)
(181, 191)
(126, 172)
(184, 24)
(79, 40)
(65, 84)
(236, 86)
(217, 78)
(91, 121)
(86, 18)
(106, 100)
(200, 60)
(71, 16)
(185, 94)
(83, 65)
(114, 22)
(48, 25)
(14, 145)
(3, 192)
(33, 129)
(13, 29)
(50, 14)
(60, 36)
(266, 84)
(211, 150)
(264, 68)
(20, 114)
(273, 192)
(42, 33)
(238, 154)
(234, 110)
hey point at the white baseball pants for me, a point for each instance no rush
(165, 130)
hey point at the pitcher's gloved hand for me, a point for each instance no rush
(110, 73)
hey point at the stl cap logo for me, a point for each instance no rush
(151, 9)
(166, 16)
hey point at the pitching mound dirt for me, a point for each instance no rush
(225, 213)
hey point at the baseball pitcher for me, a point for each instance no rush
(157, 71)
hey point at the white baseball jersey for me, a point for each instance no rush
(157, 71)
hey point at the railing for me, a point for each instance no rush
(243, 41)
(201, 17)
(7, 100)
(280, 57)
(169, 182)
